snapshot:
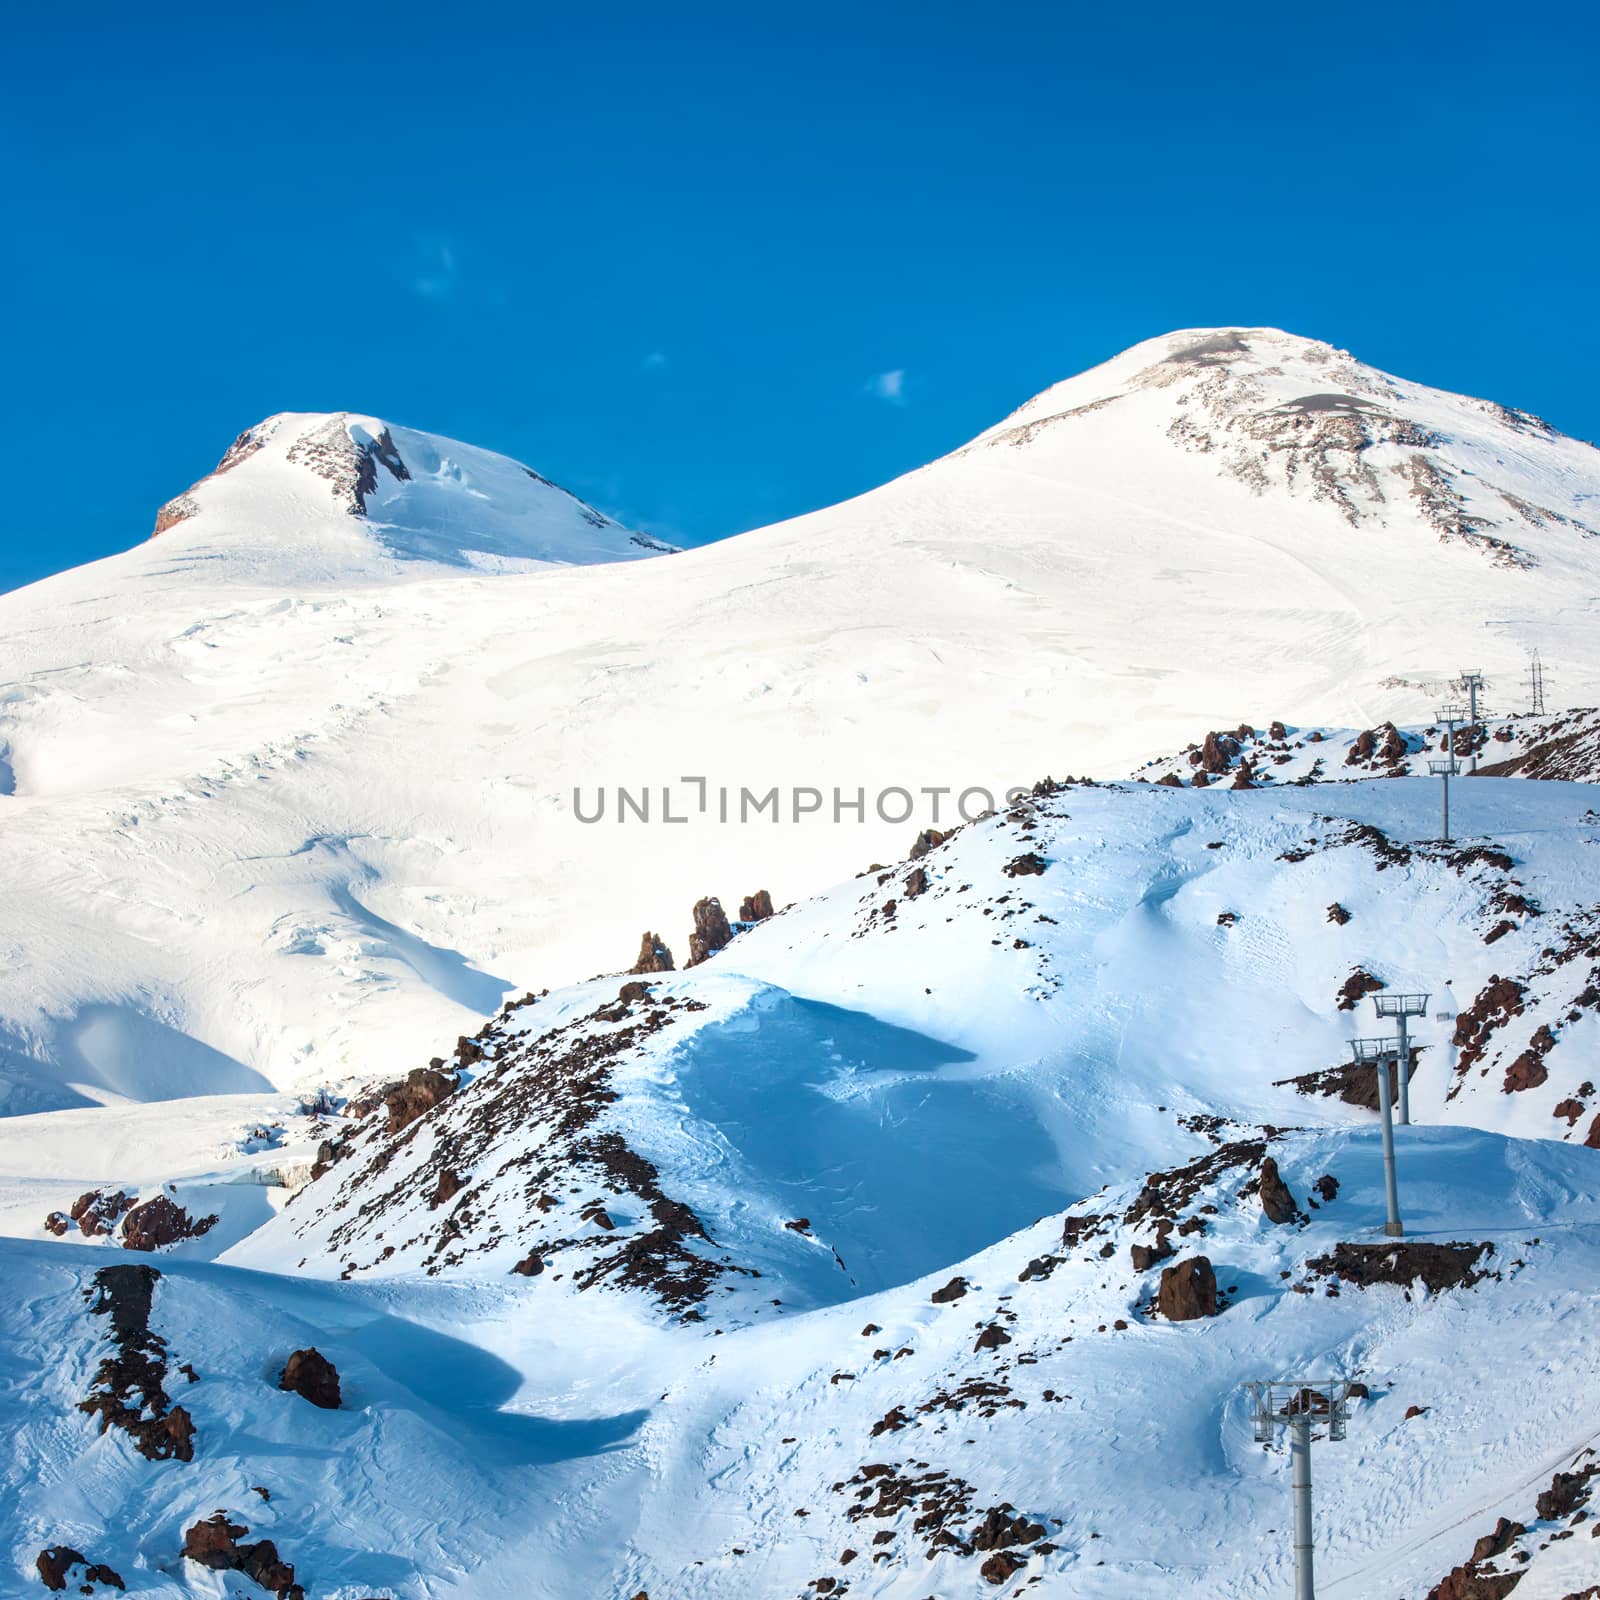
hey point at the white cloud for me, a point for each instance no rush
(889, 386)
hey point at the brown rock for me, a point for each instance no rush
(1337, 914)
(1030, 864)
(1145, 1256)
(1506, 1533)
(1277, 731)
(928, 839)
(1217, 753)
(97, 1211)
(416, 1094)
(992, 1338)
(1567, 1491)
(1570, 1109)
(654, 956)
(55, 1567)
(310, 1374)
(530, 1266)
(711, 931)
(1593, 1140)
(1000, 1566)
(1357, 987)
(1276, 1201)
(756, 907)
(951, 1291)
(450, 1184)
(160, 1222)
(916, 883)
(1169, 780)
(1528, 1071)
(214, 1543)
(1188, 1291)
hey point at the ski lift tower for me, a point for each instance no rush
(1378, 1053)
(1299, 1405)
(1400, 1007)
(1472, 682)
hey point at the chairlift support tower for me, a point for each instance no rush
(1298, 1405)
(1401, 1007)
(1472, 682)
(1379, 1052)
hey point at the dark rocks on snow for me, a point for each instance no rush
(55, 1566)
(312, 1375)
(711, 930)
(97, 1211)
(1327, 1187)
(1354, 1083)
(654, 956)
(1188, 1291)
(128, 1390)
(214, 1543)
(415, 1095)
(1000, 1567)
(1170, 780)
(1276, 1201)
(1028, 865)
(951, 1291)
(1216, 754)
(1357, 987)
(160, 1222)
(1567, 1492)
(1337, 914)
(450, 1184)
(1497, 1003)
(1145, 1256)
(1506, 1533)
(916, 882)
(999, 1530)
(1369, 747)
(530, 1266)
(1528, 1071)
(928, 839)
(1277, 732)
(756, 907)
(1402, 1261)
(992, 1338)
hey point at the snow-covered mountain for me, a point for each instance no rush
(308, 499)
(298, 780)
(919, 1241)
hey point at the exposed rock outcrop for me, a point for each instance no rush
(711, 931)
(415, 1095)
(756, 907)
(654, 956)
(1188, 1291)
(313, 1376)
(214, 1543)
(1403, 1262)
(1276, 1201)
(160, 1222)
(129, 1390)
(58, 1564)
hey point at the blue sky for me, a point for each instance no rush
(710, 266)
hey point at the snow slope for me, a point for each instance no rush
(734, 1191)
(291, 787)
